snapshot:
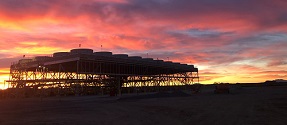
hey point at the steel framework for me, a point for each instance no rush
(83, 70)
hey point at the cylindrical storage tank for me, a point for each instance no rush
(183, 66)
(135, 57)
(121, 55)
(168, 64)
(159, 62)
(186, 67)
(41, 58)
(103, 53)
(148, 59)
(176, 65)
(191, 66)
(21, 61)
(81, 51)
(61, 54)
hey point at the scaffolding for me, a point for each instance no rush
(82, 71)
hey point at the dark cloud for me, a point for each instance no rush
(204, 34)
(182, 11)
(20, 9)
(268, 13)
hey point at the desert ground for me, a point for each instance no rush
(242, 106)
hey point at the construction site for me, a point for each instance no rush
(85, 72)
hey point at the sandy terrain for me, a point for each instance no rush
(243, 106)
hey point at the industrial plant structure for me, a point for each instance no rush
(84, 71)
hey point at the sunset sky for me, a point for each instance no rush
(228, 40)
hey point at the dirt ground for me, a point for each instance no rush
(243, 106)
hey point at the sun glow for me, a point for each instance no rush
(36, 50)
(3, 84)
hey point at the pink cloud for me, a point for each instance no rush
(221, 34)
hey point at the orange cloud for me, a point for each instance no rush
(230, 40)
